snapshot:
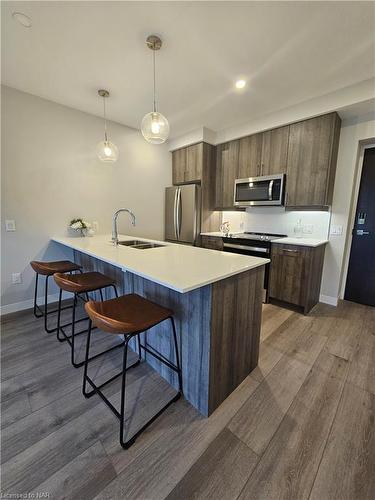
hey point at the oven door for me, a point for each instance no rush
(254, 250)
(258, 191)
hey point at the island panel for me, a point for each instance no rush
(218, 330)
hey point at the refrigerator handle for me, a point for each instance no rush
(175, 213)
(179, 213)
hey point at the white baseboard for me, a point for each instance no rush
(28, 304)
(326, 299)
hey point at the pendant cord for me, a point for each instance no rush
(153, 57)
(105, 121)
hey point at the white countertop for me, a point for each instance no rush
(218, 234)
(180, 267)
(306, 242)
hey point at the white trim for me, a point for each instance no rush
(362, 146)
(326, 299)
(28, 304)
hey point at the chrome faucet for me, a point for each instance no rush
(114, 223)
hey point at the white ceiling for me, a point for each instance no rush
(288, 51)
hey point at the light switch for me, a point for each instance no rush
(16, 278)
(10, 225)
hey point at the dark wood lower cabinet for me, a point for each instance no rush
(295, 274)
(212, 242)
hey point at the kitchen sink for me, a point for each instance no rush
(132, 243)
(140, 245)
(147, 245)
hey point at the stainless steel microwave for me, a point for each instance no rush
(258, 191)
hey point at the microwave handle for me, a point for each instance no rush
(270, 187)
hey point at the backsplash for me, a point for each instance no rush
(277, 220)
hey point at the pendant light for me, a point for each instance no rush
(154, 126)
(106, 150)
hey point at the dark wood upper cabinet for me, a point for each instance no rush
(250, 156)
(306, 151)
(187, 164)
(226, 173)
(275, 151)
(194, 162)
(179, 166)
(312, 156)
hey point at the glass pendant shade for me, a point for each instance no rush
(155, 128)
(107, 151)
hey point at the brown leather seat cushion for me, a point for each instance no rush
(49, 268)
(81, 283)
(126, 314)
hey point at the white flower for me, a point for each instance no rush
(76, 225)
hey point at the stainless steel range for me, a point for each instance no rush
(254, 244)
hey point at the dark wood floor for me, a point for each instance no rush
(301, 426)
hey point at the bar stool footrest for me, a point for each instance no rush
(96, 388)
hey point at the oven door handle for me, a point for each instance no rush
(246, 247)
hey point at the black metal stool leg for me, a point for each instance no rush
(48, 330)
(37, 313)
(73, 331)
(86, 362)
(124, 444)
(59, 317)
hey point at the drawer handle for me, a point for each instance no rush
(290, 250)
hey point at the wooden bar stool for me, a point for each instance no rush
(80, 285)
(47, 269)
(129, 315)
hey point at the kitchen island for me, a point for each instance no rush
(217, 302)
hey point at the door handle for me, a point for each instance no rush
(175, 213)
(361, 232)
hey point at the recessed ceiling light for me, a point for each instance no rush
(23, 19)
(240, 84)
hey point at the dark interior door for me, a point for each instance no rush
(360, 282)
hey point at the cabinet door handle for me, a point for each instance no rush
(261, 168)
(289, 250)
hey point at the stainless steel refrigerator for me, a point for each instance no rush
(182, 213)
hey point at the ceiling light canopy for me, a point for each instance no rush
(22, 19)
(154, 126)
(106, 150)
(240, 84)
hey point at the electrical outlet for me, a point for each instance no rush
(336, 230)
(95, 225)
(16, 278)
(10, 225)
(242, 225)
(308, 229)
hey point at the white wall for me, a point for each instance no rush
(50, 174)
(352, 132)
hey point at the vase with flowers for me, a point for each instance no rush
(80, 225)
